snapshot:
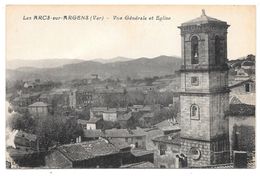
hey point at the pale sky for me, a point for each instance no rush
(36, 39)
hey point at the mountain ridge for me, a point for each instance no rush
(134, 68)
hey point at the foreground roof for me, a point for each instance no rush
(91, 149)
(140, 165)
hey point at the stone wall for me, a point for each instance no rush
(210, 153)
(195, 129)
(204, 148)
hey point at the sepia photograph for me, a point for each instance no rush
(130, 87)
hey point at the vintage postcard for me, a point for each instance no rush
(130, 86)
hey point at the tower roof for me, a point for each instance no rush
(203, 19)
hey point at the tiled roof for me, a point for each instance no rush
(139, 152)
(168, 125)
(241, 83)
(44, 96)
(88, 150)
(148, 115)
(138, 106)
(142, 107)
(234, 100)
(108, 110)
(247, 63)
(203, 19)
(38, 104)
(92, 133)
(241, 110)
(139, 165)
(28, 136)
(82, 121)
(98, 109)
(114, 133)
(104, 90)
(123, 133)
(119, 143)
(93, 120)
(170, 139)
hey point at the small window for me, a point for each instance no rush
(126, 139)
(194, 81)
(247, 87)
(162, 148)
(194, 112)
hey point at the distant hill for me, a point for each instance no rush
(43, 63)
(134, 68)
(116, 59)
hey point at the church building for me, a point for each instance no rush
(204, 99)
(204, 96)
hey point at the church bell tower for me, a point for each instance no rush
(204, 97)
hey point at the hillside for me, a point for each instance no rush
(43, 63)
(137, 68)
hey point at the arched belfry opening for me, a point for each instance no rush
(217, 49)
(194, 50)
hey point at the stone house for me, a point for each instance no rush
(242, 127)
(168, 147)
(244, 91)
(39, 109)
(25, 100)
(110, 115)
(97, 111)
(136, 138)
(80, 98)
(91, 124)
(107, 114)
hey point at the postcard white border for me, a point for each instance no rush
(117, 172)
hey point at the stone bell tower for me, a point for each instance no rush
(204, 96)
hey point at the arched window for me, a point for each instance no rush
(218, 49)
(194, 112)
(194, 50)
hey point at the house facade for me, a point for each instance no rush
(167, 151)
(39, 109)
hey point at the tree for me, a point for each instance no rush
(21, 122)
(57, 129)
